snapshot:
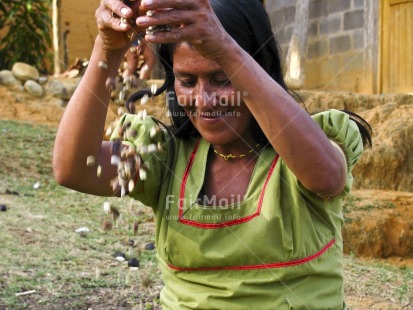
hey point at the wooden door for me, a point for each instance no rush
(397, 46)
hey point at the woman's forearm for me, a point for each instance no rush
(291, 131)
(81, 129)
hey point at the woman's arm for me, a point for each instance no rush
(81, 129)
(304, 147)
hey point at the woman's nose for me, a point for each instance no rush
(205, 95)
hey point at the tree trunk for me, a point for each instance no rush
(56, 36)
(295, 75)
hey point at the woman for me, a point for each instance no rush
(241, 192)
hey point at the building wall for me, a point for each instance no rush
(342, 42)
(342, 46)
(78, 16)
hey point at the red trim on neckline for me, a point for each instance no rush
(261, 266)
(223, 224)
(185, 178)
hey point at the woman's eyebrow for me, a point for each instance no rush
(183, 72)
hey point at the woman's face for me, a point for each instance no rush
(212, 104)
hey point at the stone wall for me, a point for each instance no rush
(342, 42)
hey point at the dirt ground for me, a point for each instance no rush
(378, 224)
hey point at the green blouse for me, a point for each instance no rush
(280, 248)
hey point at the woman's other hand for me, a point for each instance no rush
(115, 21)
(192, 21)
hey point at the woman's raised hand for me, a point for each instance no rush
(191, 21)
(116, 23)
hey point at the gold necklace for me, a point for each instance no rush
(229, 156)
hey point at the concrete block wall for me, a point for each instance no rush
(339, 42)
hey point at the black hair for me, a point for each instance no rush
(364, 128)
(247, 22)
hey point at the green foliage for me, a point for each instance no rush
(28, 37)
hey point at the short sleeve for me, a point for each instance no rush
(146, 191)
(340, 129)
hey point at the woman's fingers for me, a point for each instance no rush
(106, 19)
(176, 34)
(113, 14)
(115, 20)
(167, 4)
(167, 17)
(118, 7)
(118, 14)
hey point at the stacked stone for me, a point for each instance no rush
(25, 77)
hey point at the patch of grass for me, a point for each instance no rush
(379, 281)
(41, 250)
(25, 149)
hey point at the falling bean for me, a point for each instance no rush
(99, 171)
(156, 133)
(106, 207)
(110, 84)
(138, 161)
(144, 99)
(122, 95)
(152, 133)
(121, 111)
(115, 185)
(114, 160)
(120, 166)
(152, 148)
(123, 153)
(102, 64)
(121, 180)
(142, 174)
(131, 185)
(151, 30)
(154, 88)
(90, 161)
(143, 149)
(160, 147)
(108, 131)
